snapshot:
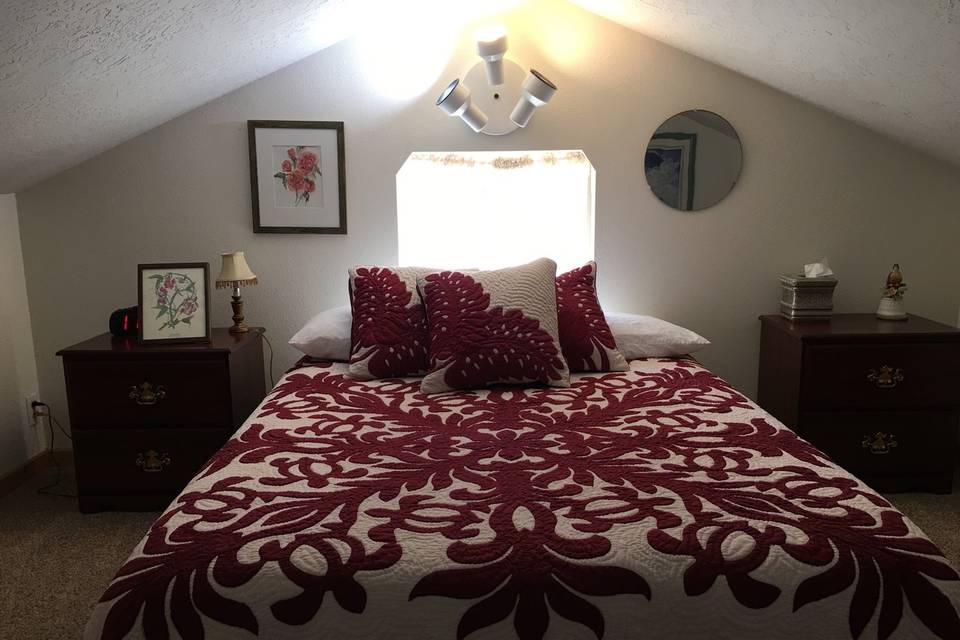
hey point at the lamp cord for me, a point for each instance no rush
(263, 334)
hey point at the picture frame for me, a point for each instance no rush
(672, 178)
(174, 302)
(297, 176)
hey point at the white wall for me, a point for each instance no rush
(18, 368)
(812, 185)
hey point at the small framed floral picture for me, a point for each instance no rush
(174, 306)
(297, 176)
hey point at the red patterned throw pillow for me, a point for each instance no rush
(585, 336)
(388, 337)
(493, 327)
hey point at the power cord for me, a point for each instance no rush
(273, 382)
(47, 489)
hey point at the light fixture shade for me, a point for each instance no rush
(234, 271)
(455, 101)
(536, 92)
(492, 46)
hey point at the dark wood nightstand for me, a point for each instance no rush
(146, 417)
(880, 397)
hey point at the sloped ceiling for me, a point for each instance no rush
(80, 76)
(890, 65)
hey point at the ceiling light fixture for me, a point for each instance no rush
(455, 101)
(503, 85)
(492, 46)
(537, 91)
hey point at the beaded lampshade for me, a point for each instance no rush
(234, 271)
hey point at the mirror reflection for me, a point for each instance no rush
(693, 160)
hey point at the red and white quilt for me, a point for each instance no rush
(652, 503)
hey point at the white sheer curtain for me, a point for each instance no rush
(487, 210)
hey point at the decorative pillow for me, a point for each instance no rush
(389, 331)
(490, 327)
(649, 337)
(585, 337)
(326, 335)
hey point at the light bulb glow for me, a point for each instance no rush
(490, 33)
(400, 55)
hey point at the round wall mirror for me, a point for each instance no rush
(693, 160)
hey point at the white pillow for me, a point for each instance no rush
(649, 337)
(326, 335)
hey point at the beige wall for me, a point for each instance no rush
(18, 369)
(812, 185)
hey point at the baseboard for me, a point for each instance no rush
(37, 464)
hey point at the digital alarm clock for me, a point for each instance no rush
(125, 322)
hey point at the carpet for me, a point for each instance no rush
(56, 561)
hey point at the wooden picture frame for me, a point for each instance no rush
(297, 176)
(179, 293)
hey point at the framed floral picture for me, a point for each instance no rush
(174, 302)
(297, 176)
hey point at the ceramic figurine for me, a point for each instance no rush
(891, 304)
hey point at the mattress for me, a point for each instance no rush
(653, 503)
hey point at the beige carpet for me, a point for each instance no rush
(56, 562)
(937, 515)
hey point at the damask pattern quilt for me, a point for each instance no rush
(652, 503)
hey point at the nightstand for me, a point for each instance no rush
(879, 397)
(145, 418)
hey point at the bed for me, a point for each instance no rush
(652, 503)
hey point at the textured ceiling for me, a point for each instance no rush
(80, 76)
(890, 65)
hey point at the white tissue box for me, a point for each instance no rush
(807, 298)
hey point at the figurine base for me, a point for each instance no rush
(890, 309)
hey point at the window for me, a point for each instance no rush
(488, 210)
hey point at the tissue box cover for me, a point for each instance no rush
(807, 297)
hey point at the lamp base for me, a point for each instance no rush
(239, 326)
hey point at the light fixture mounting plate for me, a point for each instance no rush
(497, 101)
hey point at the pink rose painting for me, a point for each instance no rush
(298, 177)
(176, 299)
(299, 173)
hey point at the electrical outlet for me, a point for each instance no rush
(30, 418)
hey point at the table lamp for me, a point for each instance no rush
(234, 272)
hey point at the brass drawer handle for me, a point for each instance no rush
(880, 443)
(886, 377)
(152, 462)
(147, 394)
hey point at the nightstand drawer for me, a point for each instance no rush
(142, 461)
(149, 393)
(880, 376)
(877, 444)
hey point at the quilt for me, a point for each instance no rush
(652, 503)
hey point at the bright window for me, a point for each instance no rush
(487, 210)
